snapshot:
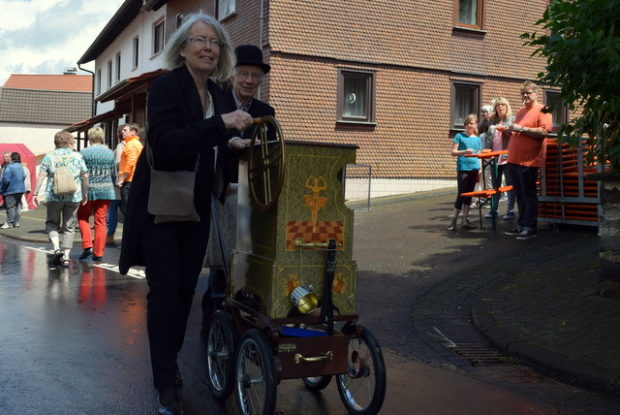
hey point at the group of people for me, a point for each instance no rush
(523, 136)
(100, 176)
(14, 185)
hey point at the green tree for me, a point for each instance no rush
(581, 42)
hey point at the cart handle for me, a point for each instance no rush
(327, 356)
(300, 243)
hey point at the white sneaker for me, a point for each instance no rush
(6, 225)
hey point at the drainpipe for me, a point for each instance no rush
(260, 37)
(92, 93)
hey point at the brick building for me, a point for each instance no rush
(395, 77)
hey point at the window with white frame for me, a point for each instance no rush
(469, 13)
(356, 96)
(109, 73)
(136, 52)
(559, 113)
(465, 101)
(158, 37)
(225, 8)
(98, 86)
(118, 66)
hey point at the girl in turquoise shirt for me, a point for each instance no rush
(466, 169)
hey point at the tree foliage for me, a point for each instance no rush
(581, 42)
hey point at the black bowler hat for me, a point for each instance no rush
(251, 55)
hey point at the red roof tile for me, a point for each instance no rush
(76, 83)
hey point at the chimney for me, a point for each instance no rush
(70, 71)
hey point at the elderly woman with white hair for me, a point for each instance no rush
(186, 123)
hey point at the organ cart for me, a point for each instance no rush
(289, 310)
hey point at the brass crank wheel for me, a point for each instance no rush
(266, 163)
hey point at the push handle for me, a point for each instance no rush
(327, 356)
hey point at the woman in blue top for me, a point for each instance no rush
(466, 169)
(12, 189)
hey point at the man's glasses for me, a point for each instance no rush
(255, 76)
(527, 92)
(202, 42)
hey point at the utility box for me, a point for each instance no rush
(283, 247)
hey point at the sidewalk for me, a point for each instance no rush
(538, 302)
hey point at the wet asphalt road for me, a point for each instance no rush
(73, 341)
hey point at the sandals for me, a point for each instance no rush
(468, 225)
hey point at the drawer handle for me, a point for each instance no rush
(327, 356)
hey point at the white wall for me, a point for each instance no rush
(141, 26)
(357, 189)
(38, 138)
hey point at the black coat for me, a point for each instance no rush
(177, 134)
(257, 109)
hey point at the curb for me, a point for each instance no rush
(575, 372)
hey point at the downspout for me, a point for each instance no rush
(260, 37)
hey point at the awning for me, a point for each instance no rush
(129, 85)
(85, 124)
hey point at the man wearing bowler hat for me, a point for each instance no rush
(248, 77)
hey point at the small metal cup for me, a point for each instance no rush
(304, 299)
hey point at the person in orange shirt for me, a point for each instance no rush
(526, 153)
(129, 159)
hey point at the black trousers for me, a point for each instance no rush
(466, 181)
(173, 254)
(125, 189)
(524, 186)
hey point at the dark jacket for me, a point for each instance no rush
(177, 133)
(257, 109)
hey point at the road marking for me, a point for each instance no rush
(133, 273)
(443, 336)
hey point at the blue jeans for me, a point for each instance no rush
(113, 216)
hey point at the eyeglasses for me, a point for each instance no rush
(202, 42)
(255, 76)
(527, 92)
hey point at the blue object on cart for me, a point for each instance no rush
(297, 332)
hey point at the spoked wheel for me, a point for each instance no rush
(362, 389)
(317, 383)
(255, 375)
(266, 163)
(220, 354)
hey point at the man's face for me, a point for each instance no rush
(246, 81)
(486, 115)
(7, 157)
(127, 132)
(529, 96)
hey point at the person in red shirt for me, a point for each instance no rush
(526, 153)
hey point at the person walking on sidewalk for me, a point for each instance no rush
(129, 159)
(467, 169)
(61, 209)
(101, 167)
(12, 189)
(115, 204)
(527, 150)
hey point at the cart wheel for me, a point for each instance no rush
(266, 163)
(220, 354)
(362, 389)
(317, 383)
(255, 375)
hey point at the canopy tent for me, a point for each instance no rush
(29, 160)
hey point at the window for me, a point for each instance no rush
(559, 113)
(98, 81)
(118, 66)
(466, 100)
(179, 20)
(469, 13)
(136, 51)
(158, 37)
(225, 8)
(356, 96)
(109, 73)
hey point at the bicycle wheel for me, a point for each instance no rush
(317, 383)
(255, 375)
(220, 354)
(362, 389)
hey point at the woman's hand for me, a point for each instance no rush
(237, 119)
